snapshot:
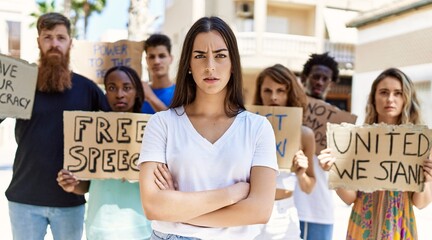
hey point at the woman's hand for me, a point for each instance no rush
(300, 163)
(326, 159)
(164, 179)
(67, 180)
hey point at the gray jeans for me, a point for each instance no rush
(163, 236)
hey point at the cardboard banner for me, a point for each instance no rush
(101, 145)
(318, 114)
(378, 157)
(93, 59)
(286, 123)
(17, 87)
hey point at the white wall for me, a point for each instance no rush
(419, 74)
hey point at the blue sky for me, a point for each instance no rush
(115, 16)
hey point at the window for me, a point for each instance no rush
(14, 31)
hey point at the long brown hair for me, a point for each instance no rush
(411, 109)
(296, 96)
(185, 91)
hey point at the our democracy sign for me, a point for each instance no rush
(93, 59)
(318, 114)
(286, 123)
(100, 145)
(17, 87)
(379, 156)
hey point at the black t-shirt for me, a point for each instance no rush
(39, 155)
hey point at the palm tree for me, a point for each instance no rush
(75, 9)
(84, 9)
(43, 7)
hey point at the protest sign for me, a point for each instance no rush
(93, 59)
(17, 87)
(318, 114)
(378, 157)
(100, 145)
(286, 123)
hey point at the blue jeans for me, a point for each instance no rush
(30, 221)
(316, 231)
(163, 236)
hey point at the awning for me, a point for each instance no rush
(336, 21)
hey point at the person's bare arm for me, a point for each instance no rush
(422, 199)
(255, 209)
(348, 196)
(303, 161)
(193, 204)
(326, 159)
(71, 184)
(152, 99)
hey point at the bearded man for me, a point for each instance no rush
(35, 199)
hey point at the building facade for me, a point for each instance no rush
(279, 31)
(397, 35)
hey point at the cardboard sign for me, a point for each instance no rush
(17, 87)
(378, 157)
(93, 59)
(286, 123)
(101, 145)
(318, 114)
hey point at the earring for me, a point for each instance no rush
(190, 72)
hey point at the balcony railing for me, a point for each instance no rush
(294, 48)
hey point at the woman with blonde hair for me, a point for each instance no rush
(386, 214)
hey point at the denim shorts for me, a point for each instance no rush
(163, 236)
(31, 222)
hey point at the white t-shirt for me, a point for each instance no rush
(316, 207)
(198, 165)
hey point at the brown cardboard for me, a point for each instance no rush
(286, 123)
(17, 87)
(318, 114)
(93, 59)
(101, 145)
(378, 157)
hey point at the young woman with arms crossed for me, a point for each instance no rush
(222, 157)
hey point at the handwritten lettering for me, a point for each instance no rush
(9, 99)
(9, 70)
(110, 50)
(120, 132)
(393, 170)
(413, 144)
(102, 160)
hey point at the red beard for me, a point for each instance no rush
(54, 74)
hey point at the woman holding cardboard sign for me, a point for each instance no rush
(278, 86)
(386, 214)
(222, 157)
(114, 208)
